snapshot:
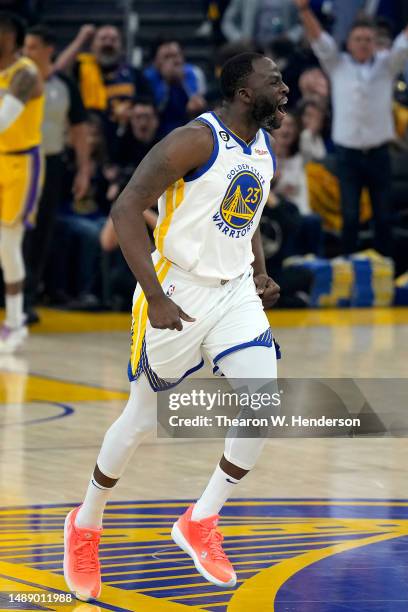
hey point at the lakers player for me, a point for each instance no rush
(21, 113)
(200, 293)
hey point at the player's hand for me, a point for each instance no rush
(267, 289)
(302, 4)
(163, 313)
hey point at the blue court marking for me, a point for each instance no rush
(375, 576)
(65, 411)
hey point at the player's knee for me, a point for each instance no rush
(244, 452)
(11, 256)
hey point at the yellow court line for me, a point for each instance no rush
(65, 322)
(198, 595)
(43, 388)
(160, 578)
(191, 574)
(338, 317)
(259, 554)
(145, 571)
(170, 559)
(175, 587)
(110, 595)
(151, 571)
(278, 552)
(267, 521)
(267, 582)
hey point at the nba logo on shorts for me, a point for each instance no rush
(170, 290)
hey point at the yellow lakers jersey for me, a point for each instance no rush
(25, 132)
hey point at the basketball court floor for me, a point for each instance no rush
(319, 525)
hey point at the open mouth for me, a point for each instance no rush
(281, 108)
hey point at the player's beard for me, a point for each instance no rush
(263, 112)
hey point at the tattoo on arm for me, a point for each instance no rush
(23, 84)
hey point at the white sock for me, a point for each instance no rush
(91, 512)
(14, 310)
(215, 495)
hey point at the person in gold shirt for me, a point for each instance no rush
(21, 115)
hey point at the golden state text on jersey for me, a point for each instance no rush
(208, 217)
(241, 201)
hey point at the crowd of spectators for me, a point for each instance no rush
(346, 64)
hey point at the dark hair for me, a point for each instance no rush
(230, 49)
(45, 33)
(13, 23)
(362, 22)
(159, 42)
(235, 71)
(144, 101)
(384, 24)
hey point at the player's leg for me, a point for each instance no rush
(13, 331)
(83, 525)
(196, 531)
(255, 367)
(21, 177)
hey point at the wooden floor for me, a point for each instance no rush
(320, 524)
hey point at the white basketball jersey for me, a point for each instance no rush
(207, 218)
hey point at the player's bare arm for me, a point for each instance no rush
(182, 151)
(26, 84)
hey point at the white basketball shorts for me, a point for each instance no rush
(229, 316)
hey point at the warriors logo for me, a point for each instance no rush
(241, 201)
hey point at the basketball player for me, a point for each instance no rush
(198, 293)
(21, 114)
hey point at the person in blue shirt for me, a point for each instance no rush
(178, 87)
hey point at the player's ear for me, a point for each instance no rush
(245, 95)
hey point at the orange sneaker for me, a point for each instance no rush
(82, 570)
(203, 542)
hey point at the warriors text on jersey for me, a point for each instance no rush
(207, 219)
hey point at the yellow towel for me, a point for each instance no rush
(324, 197)
(92, 87)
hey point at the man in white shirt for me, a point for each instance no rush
(362, 92)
